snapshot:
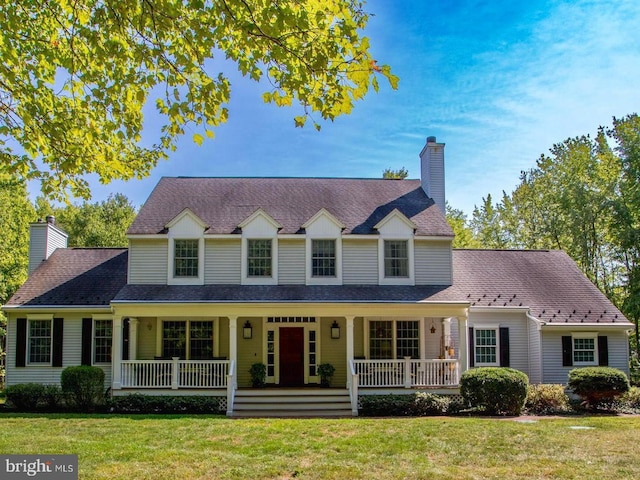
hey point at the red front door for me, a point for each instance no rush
(291, 357)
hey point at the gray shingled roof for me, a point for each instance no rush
(75, 277)
(547, 282)
(223, 203)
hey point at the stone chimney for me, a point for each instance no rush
(432, 171)
(44, 238)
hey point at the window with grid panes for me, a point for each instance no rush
(174, 339)
(584, 350)
(102, 333)
(396, 258)
(323, 258)
(258, 258)
(185, 258)
(486, 346)
(380, 340)
(201, 340)
(407, 339)
(39, 341)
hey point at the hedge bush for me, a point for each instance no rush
(137, 403)
(25, 397)
(419, 404)
(495, 390)
(546, 399)
(597, 385)
(83, 387)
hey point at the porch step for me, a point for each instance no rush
(276, 402)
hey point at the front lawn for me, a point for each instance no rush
(158, 447)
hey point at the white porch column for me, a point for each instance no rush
(350, 347)
(233, 340)
(446, 336)
(116, 353)
(464, 344)
(133, 338)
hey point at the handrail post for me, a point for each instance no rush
(174, 373)
(407, 372)
(231, 388)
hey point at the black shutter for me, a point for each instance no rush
(567, 351)
(58, 330)
(603, 351)
(504, 347)
(21, 342)
(125, 339)
(87, 330)
(472, 350)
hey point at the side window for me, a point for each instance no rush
(486, 347)
(185, 258)
(396, 258)
(102, 334)
(259, 258)
(323, 258)
(39, 342)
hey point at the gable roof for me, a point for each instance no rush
(75, 277)
(547, 281)
(224, 203)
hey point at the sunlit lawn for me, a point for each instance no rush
(182, 447)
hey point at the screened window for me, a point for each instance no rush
(185, 258)
(323, 258)
(486, 346)
(396, 258)
(584, 351)
(102, 333)
(39, 341)
(191, 340)
(258, 258)
(394, 339)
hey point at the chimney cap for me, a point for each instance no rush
(431, 139)
(51, 219)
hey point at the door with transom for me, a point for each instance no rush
(291, 356)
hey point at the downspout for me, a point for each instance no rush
(539, 325)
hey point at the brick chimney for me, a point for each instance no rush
(432, 171)
(44, 238)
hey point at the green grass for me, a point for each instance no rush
(159, 447)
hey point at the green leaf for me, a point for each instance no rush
(198, 139)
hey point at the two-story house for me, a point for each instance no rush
(222, 273)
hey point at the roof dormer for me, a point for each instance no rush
(186, 223)
(185, 232)
(259, 223)
(323, 223)
(396, 224)
(323, 239)
(259, 249)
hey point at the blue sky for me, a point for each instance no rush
(498, 82)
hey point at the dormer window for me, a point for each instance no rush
(259, 258)
(186, 258)
(396, 259)
(323, 258)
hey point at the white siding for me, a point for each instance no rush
(360, 262)
(148, 261)
(433, 263)
(222, 261)
(71, 353)
(535, 352)
(518, 334)
(37, 246)
(291, 258)
(554, 372)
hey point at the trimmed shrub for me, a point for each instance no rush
(145, 404)
(495, 390)
(546, 399)
(597, 385)
(419, 404)
(428, 404)
(83, 387)
(25, 397)
(52, 397)
(258, 372)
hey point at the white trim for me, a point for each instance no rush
(186, 212)
(395, 213)
(102, 316)
(171, 278)
(323, 212)
(259, 213)
(590, 326)
(581, 335)
(486, 326)
(245, 279)
(40, 316)
(310, 279)
(93, 341)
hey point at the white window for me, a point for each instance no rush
(186, 258)
(187, 339)
(396, 259)
(259, 258)
(486, 347)
(585, 348)
(39, 342)
(323, 258)
(102, 334)
(389, 339)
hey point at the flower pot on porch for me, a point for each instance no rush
(326, 371)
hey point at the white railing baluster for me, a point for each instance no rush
(407, 373)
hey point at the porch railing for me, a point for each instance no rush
(352, 385)
(174, 374)
(407, 373)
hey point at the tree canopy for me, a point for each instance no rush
(399, 174)
(76, 75)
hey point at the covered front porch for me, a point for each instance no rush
(417, 347)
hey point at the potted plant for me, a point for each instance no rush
(258, 373)
(326, 371)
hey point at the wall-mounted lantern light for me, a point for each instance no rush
(247, 331)
(335, 330)
(433, 327)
